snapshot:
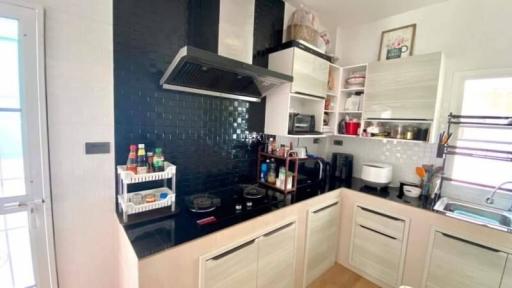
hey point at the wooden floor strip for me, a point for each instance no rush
(341, 277)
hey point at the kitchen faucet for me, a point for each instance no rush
(490, 198)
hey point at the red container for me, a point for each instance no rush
(352, 127)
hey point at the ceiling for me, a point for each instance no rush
(346, 13)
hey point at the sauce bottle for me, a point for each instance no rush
(141, 160)
(131, 163)
(158, 161)
(150, 162)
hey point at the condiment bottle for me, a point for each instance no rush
(150, 162)
(141, 160)
(158, 160)
(131, 163)
(271, 176)
(264, 171)
(282, 177)
(270, 146)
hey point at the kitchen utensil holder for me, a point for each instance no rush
(125, 178)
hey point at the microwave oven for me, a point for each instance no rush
(301, 124)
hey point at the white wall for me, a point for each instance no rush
(473, 34)
(79, 76)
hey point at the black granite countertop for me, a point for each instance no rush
(152, 236)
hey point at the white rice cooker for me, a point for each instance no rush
(377, 174)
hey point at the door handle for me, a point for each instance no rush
(232, 250)
(470, 243)
(325, 208)
(24, 204)
(380, 214)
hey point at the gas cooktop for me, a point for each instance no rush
(233, 202)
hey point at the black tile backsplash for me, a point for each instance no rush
(209, 139)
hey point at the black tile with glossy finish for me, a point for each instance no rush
(209, 139)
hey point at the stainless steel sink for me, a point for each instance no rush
(494, 218)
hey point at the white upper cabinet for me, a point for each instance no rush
(310, 72)
(407, 88)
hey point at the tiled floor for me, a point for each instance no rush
(341, 277)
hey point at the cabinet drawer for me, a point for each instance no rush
(376, 254)
(380, 222)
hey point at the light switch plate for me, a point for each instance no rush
(97, 148)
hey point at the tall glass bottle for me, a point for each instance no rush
(131, 163)
(141, 160)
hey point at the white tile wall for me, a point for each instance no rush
(318, 149)
(79, 66)
(404, 156)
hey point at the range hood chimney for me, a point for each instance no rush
(228, 71)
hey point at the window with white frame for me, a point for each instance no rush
(485, 97)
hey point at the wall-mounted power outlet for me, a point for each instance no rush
(337, 142)
(316, 140)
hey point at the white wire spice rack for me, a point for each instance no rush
(125, 178)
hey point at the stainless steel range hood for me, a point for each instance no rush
(225, 69)
(199, 71)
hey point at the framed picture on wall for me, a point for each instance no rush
(397, 42)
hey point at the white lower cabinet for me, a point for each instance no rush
(268, 260)
(459, 263)
(377, 246)
(234, 268)
(506, 281)
(276, 258)
(321, 240)
(378, 254)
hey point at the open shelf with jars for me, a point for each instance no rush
(396, 129)
(349, 109)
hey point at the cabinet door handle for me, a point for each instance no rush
(275, 231)
(326, 207)
(375, 231)
(471, 243)
(231, 251)
(380, 214)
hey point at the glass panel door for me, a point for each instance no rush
(26, 253)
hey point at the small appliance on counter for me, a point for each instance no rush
(341, 166)
(313, 172)
(377, 175)
(299, 124)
